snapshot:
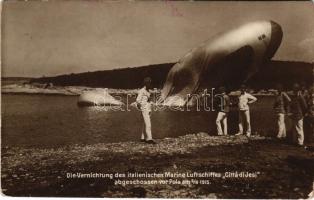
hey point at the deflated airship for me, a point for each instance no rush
(227, 59)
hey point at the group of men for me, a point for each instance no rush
(244, 99)
(298, 105)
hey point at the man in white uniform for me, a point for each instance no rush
(144, 104)
(244, 110)
(224, 109)
(298, 109)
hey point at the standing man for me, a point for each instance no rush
(297, 107)
(304, 92)
(223, 112)
(311, 114)
(309, 117)
(244, 111)
(144, 104)
(281, 102)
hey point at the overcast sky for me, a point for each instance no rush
(57, 37)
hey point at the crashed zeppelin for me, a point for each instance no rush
(228, 59)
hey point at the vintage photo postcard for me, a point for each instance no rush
(157, 99)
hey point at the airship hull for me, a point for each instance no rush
(226, 59)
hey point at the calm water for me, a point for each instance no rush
(49, 121)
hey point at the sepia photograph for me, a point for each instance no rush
(157, 99)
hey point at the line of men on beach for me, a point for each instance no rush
(299, 106)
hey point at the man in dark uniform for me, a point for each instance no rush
(281, 103)
(298, 108)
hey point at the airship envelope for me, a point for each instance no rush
(227, 59)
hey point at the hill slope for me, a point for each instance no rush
(286, 72)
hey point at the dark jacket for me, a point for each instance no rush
(223, 103)
(298, 106)
(310, 104)
(281, 102)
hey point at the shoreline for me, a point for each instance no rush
(78, 90)
(56, 90)
(174, 145)
(43, 172)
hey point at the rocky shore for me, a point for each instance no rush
(47, 89)
(55, 90)
(279, 170)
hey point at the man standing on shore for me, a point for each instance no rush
(144, 104)
(298, 107)
(244, 111)
(280, 105)
(304, 92)
(310, 115)
(223, 112)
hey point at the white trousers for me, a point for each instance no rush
(297, 131)
(222, 118)
(147, 126)
(281, 125)
(244, 117)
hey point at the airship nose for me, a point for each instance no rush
(276, 31)
(275, 39)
